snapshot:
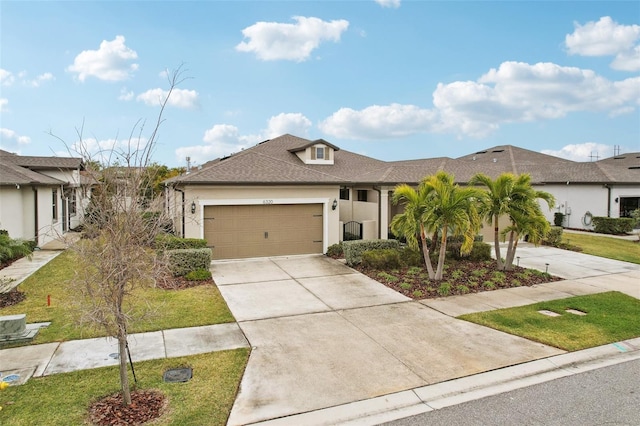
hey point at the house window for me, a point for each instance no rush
(54, 204)
(362, 195)
(320, 153)
(344, 193)
(71, 196)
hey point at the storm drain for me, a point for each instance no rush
(178, 375)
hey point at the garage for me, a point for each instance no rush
(241, 231)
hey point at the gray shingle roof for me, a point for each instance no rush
(23, 170)
(274, 162)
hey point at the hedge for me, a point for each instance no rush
(353, 249)
(613, 225)
(183, 261)
(479, 251)
(382, 259)
(170, 242)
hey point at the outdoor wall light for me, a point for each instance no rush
(616, 199)
(193, 207)
(334, 205)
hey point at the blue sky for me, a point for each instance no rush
(391, 79)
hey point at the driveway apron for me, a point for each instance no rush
(322, 334)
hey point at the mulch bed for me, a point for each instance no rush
(146, 405)
(11, 298)
(459, 278)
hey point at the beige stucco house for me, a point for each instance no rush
(290, 195)
(41, 198)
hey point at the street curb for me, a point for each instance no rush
(452, 392)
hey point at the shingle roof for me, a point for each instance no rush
(22, 170)
(274, 162)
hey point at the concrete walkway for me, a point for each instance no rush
(330, 345)
(18, 271)
(324, 335)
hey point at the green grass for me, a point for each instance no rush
(611, 317)
(202, 305)
(611, 248)
(63, 399)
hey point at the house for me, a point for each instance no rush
(41, 198)
(290, 195)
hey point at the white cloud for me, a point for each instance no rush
(627, 61)
(588, 151)
(3, 104)
(6, 77)
(273, 40)
(389, 3)
(607, 38)
(293, 123)
(125, 95)
(379, 122)
(107, 151)
(225, 139)
(180, 98)
(514, 92)
(36, 82)
(111, 62)
(12, 136)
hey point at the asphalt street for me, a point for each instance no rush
(606, 396)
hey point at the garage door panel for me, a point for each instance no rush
(263, 230)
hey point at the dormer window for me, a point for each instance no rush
(318, 152)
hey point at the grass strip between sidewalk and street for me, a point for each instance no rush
(165, 309)
(63, 399)
(610, 317)
(611, 248)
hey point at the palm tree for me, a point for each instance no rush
(451, 209)
(410, 224)
(514, 197)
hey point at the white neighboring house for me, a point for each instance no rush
(41, 198)
(290, 195)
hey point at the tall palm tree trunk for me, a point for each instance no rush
(442, 254)
(496, 244)
(425, 252)
(511, 251)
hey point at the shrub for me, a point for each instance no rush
(411, 258)
(163, 223)
(388, 277)
(613, 225)
(198, 275)
(553, 237)
(170, 242)
(183, 261)
(11, 249)
(444, 289)
(417, 294)
(489, 285)
(353, 250)
(463, 289)
(381, 259)
(335, 250)
(558, 218)
(479, 251)
(499, 277)
(406, 286)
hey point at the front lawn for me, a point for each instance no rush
(190, 307)
(610, 317)
(63, 399)
(460, 277)
(611, 248)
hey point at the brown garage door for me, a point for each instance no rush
(263, 230)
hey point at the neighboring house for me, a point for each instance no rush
(41, 198)
(290, 195)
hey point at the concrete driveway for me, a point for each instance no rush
(323, 335)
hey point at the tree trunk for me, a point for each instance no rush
(425, 253)
(511, 251)
(442, 254)
(496, 236)
(124, 376)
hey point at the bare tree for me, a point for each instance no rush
(117, 256)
